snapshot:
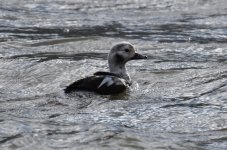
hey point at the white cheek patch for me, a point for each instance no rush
(107, 80)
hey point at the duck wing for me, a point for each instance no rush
(86, 84)
(102, 84)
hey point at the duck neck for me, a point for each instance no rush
(120, 70)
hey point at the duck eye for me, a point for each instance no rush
(127, 50)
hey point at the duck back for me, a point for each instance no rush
(100, 82)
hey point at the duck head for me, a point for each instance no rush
(119, 55)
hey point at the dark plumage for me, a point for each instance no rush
(92, 83)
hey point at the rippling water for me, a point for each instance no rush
(179, 95)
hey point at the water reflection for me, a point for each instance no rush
(57, 55)
(167, 33)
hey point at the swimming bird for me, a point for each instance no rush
(117, 79)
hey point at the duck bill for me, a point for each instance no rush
(138, 56)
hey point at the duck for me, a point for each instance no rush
(117, 80)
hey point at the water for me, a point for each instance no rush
(178, 98)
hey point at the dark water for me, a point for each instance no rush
(179, 95)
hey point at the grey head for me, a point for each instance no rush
(119, 55)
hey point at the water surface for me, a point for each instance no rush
(178, 97)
